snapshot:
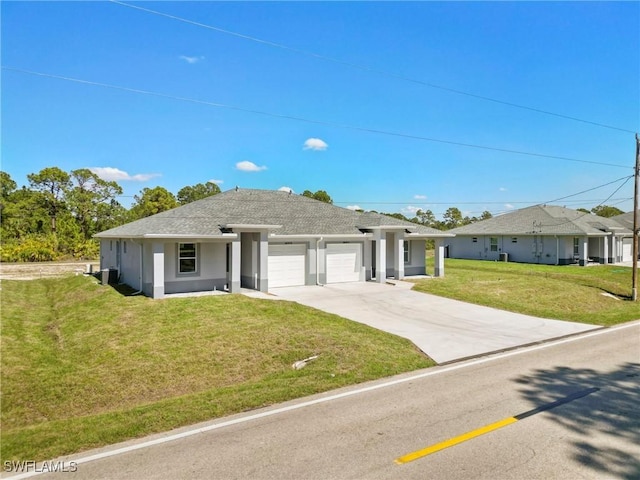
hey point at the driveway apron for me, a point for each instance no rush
(444, 329)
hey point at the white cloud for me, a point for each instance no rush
(314, 144)
(502, 189)
(420, 197)
(354, 207)
(508, 206)
(247, 166)
(191, 59)
(410, 209)
(217, 182)
(117, 175)
(286, 189)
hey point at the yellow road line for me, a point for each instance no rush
(410, 457)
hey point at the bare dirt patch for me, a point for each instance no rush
(31, 271)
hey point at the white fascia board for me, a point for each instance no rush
(112, 236)
(250, 226)
(531, 234)
(183, 236)
(388, 227)
(430, 235)
(275, 236)
(168, 236)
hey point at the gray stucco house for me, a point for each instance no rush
(544, 234)
(261, 239)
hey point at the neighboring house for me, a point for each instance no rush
(543, 234)
(626, 220)
(261, 239)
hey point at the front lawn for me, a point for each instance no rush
(83, 366)
(560, 292)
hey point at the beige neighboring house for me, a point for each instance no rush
(544, 234)
(261, 239)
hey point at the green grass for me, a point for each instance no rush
(559, 292)
(84, 366)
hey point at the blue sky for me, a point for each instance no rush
(577, 59)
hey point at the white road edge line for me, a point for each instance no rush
(330, 398)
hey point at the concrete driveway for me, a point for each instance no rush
(444, 329)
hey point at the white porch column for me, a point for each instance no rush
(157, 288)
(367, 259)
(398, 255)
(605, 251)
(263, 257)
(381, 256)
(438, 260)
(612, 249)
(583, 251)
(234, 266)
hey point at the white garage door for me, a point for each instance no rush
(627, 250)
(344, 262)
(287, 265)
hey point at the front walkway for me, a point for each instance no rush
(248, 292)
(444, 329)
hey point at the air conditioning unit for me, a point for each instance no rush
(109, 276)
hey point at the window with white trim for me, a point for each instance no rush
(576, 246)
(187, 258)
(493, 241)
(406, 251)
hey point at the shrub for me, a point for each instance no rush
(30, 249)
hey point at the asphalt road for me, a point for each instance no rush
(355, 433)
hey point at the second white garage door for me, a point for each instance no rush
(287, 265)
(344, 262)
(627, 250)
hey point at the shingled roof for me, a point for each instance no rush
(625, 219)
(544, 220)
(281, 212)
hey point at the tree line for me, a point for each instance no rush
(452, 218)
(58, 213)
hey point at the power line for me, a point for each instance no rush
(370, 69)
(626, 180)
(307, 120)
(595, 188)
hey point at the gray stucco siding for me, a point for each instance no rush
(417, 258)
(108, 253)
(196, 285)
(536, 249)
(130, 263)
(211, 268)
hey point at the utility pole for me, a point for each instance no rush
(634, 281)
